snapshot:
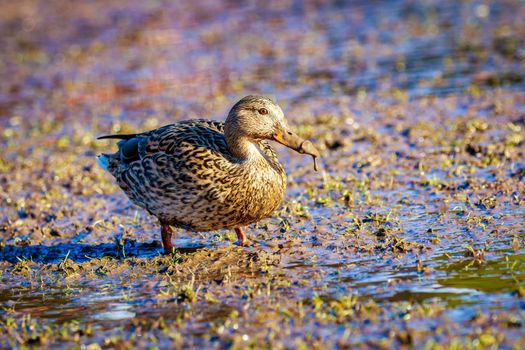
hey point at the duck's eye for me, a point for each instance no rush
(263, 111)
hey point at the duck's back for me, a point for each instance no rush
(185, 175)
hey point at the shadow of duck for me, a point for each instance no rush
(80, 252)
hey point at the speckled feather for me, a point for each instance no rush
(185, 174)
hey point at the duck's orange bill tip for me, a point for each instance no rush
(290, 139)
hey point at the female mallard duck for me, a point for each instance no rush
(203, 175)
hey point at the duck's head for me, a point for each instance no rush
(259, 118)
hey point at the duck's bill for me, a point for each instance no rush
(298, 144)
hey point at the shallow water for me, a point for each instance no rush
(412, 234)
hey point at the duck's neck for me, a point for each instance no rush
(250, 156)
(248, 152)
(243, 148)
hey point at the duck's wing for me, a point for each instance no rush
(173, 139)
(181, 173)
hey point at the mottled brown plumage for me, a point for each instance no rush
(203, 175)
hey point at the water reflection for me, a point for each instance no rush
(116, 311)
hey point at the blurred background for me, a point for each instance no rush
(130, 60)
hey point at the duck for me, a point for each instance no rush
(203, 175)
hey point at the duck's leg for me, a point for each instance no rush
(166, 232)
(241, 236)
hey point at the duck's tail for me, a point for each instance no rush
(117, 136)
